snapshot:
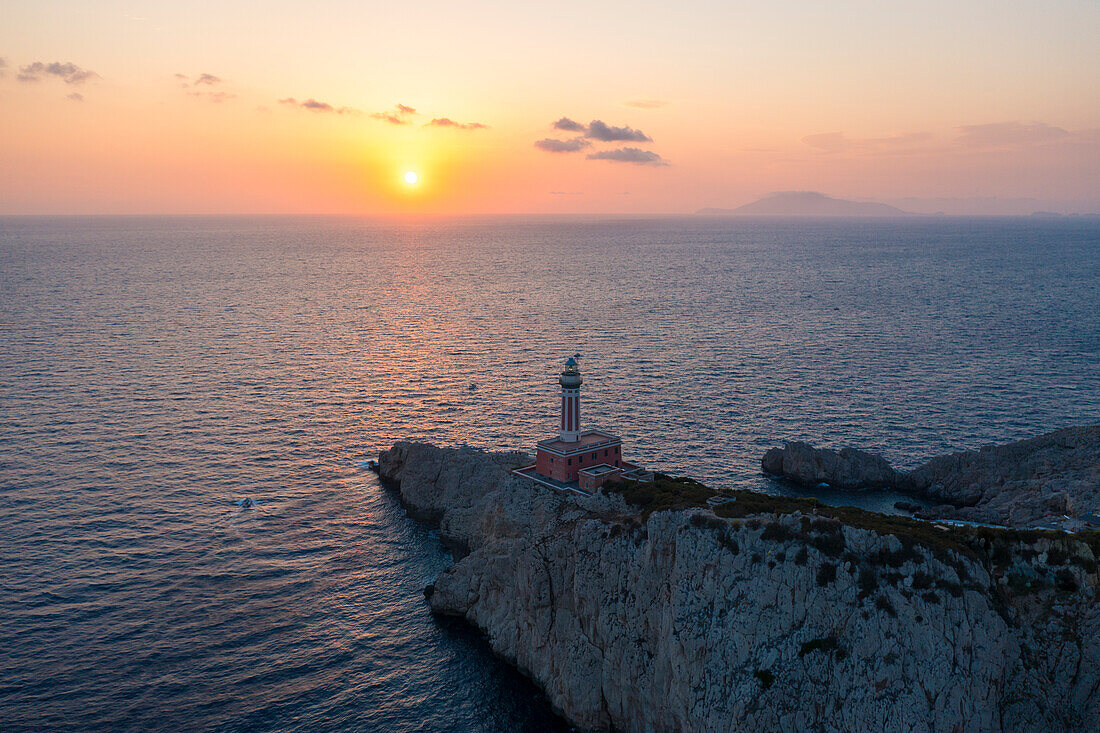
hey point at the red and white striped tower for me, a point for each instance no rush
(571, 401)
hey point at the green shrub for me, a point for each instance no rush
(777, 531)
(1089, 566)
(954, 589)
(726, 540)
(662, 494)
(1064, 581)
(921, 580)
(867, 582)
(826, 574)
(766, 677)
(883, 604)
(1056, 556)
(824, 644)
(831, 545)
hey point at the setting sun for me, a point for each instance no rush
(411, 178)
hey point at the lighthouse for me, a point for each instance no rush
(571, 401)
(579, 460)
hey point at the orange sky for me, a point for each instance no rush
(104, 109)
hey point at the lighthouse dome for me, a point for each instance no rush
(571, 377)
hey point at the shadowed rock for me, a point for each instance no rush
(847, 468)
(1020, 484)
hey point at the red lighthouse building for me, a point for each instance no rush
(578, 459)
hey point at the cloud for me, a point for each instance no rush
(75, 96)
(1008, 134)
(997, 135)
(390, 118)
(645, 103)
(830, 142)
(313, 105)
(598, 130)
(213, 96)
(3, 65)
(569, 125)
(68, 72)
(398, 116)
(204, 80)
(551, 145)
(837, 142)
(448, 122)
(629, 155)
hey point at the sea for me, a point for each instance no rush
(156, 372)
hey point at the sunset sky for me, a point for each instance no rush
(566, 107)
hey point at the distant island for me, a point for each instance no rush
(807, 203)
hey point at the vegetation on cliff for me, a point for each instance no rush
(1000, 550)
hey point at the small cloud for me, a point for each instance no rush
(830, 142)
(181, 77)
(3, 65)
(551, 145)
(448, 122)
(68, 72)
(313, 105)
(598, 130)
(398, 116)
(207, 80)
(213, 96)
(837, 142)
(75, 96)
(629, 155)
(390, 118)
(645, 103)
(569, 125)
(1008, 134)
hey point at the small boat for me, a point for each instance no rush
(472, 387)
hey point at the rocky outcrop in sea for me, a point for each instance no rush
(781, 614)
(1026, 483)
(847, 468)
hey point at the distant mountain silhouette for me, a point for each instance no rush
(808, 203)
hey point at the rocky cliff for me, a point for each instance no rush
(781, 615)
(1018, 485)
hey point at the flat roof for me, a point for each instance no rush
(588, 439)
(598, 470)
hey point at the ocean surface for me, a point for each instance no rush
(156, 371)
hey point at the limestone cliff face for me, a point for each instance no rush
(685, 621)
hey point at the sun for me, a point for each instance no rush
(411, 178)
